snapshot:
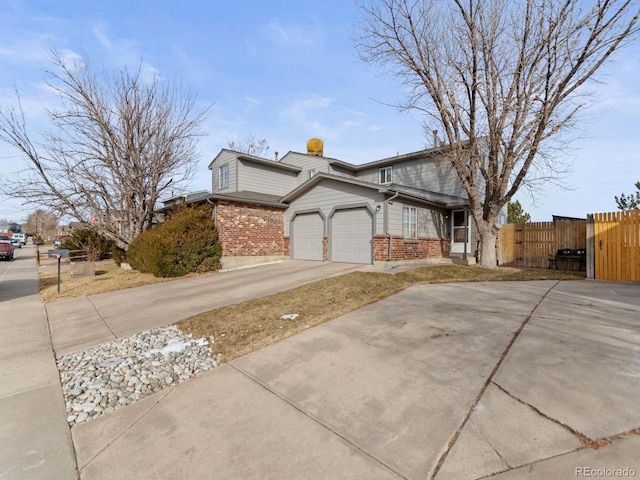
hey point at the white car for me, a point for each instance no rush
(19, 239)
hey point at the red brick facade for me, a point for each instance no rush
(406, 249)
(246, 229)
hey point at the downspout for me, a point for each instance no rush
(466, 231)
(215, 212)
(390, 202)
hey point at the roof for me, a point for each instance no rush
(388, 160)
(429, 196)
(270, 163)
(250, 197)
(363, 166)
(259, 160)
(187, 197)
(433, 198)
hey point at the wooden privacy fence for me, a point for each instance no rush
(615, 240)
(531, 244)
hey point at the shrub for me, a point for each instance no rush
(187, 242)
(92, 244)
(119, 255)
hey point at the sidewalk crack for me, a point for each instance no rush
(489, 380)
(102, 318)
(585, 441)
(317, 420)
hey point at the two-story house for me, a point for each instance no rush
(309, 207)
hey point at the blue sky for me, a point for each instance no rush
(287, 71)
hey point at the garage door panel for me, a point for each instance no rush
(352, 236)
(307, 233)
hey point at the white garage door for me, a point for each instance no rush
(352, 236)
(307, 234)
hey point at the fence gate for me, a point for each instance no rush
(531, 244)
(616, 243)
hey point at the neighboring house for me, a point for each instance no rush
(11, 228)
(309, 207)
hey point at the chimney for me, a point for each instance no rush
(276, 156)
(315, 147)
(435, 138)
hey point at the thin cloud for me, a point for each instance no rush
(319, 116)
(102, 37)
(292, 36)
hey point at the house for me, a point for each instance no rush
(310, 207)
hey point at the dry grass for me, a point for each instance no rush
(242, 328)
(108, 278)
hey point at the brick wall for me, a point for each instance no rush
(406, 249)
(325, 248)
(250, 230)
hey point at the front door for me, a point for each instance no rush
(459, 232)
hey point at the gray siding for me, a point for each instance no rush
(255, 177)
(427, 174)
(329, 194)
(306, 163)
(431, 222)
(224, 158)
(341, 171)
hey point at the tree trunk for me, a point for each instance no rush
(488, 258)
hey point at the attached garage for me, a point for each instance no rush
(352, 236)
(307, 234)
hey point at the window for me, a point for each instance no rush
(223, 177)
(386, 175)
(311, 173)
(410, 222)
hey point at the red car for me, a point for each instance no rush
(6, 249)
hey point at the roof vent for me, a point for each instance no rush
(315, 147)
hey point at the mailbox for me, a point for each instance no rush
(61, 253)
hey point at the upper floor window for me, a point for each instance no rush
(223, 176)
(410, 222)
(386, 175)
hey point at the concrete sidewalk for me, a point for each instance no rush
(433, 382)
(35, 441)
(453, 381)
(82, 322)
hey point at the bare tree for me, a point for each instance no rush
(251, 145)
(116, 144)
(499, 78)
(42, 223)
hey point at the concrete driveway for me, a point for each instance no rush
(82, 322)
(465, 381)
(454, 381)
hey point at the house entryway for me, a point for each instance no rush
(460, 232)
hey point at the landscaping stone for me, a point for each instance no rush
(104, 378)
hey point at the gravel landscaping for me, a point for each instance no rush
(104, 378)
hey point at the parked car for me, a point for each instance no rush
(19, 239)
(60, 240)
(6, 248)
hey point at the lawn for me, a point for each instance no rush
(108, 278)
(244, 327)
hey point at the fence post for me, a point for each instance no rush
(591, 245)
